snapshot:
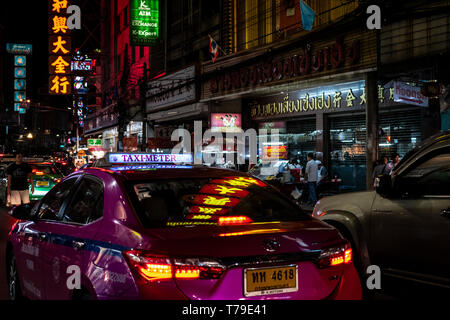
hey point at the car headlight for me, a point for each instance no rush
(318, 212)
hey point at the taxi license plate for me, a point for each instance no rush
(42, 183)
(270, 280)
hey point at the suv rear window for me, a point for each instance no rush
(167, 203)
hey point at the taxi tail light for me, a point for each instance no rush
(335, 256)
(234, 220)
(152, 268)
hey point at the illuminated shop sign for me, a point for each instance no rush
(270, 152)
(334, 98)
(20, 61)
(59, 49)
(80, 85)
(144, 22)
(20, 72)
(20, 84)
(226, 122)
(94, 142)
(15, 48)
(149, 158)
(20, 96)
(81, 65)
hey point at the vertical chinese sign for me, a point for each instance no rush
(144, 22)
(60, 46)
(20, 52)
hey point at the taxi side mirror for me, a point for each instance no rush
(22, 212)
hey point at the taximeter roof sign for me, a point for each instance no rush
(115, 158)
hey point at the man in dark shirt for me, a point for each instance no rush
(18, 174)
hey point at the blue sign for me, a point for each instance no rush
(20, 61)
(16, 48)
(20, 84)
(19, 96)
(17, 106)
(20, 72)
(22, 111)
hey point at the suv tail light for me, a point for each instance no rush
(335, 256)
(152, 267)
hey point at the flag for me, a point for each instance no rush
(308, 16)
(213, 48)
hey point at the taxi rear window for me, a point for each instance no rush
(171, 203)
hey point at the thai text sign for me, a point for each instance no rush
(174, 89)
(333, 98)
(144, 22)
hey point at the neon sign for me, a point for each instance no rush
(144, 22)
(60, 46)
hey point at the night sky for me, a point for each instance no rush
(26, 21)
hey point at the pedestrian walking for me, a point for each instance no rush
(383, 167)
(311, 173)
(18, 188)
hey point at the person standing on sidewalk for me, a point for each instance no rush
(311, 173)
(18, 174)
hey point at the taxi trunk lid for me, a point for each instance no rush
(267, 249)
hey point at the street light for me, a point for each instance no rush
(30, 136)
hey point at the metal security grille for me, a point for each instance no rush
(400, 132)
(301, 138)
(348, 151)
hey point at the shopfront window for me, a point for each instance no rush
(348, 152)
(295, 140)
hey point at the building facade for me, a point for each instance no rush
(344, 92)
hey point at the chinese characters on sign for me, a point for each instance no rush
(60, 46)
(342, 97)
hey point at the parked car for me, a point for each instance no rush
(403, 226)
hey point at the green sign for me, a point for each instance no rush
(94, 142)
(144, 22)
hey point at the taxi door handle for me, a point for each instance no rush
(42, 236)
(78, 245)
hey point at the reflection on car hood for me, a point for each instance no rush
(355, 202)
